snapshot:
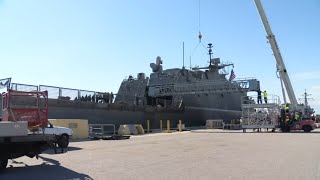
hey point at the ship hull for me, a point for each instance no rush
(197, 109)
(191, 116)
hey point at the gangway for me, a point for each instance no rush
(257, 116)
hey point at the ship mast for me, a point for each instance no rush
(305, 98)
(210, 52)
(183, 55)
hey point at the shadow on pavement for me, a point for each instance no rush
(70, 148)
(255, 132)
(45, 171)
(80, 140)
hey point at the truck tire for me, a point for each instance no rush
(307, 128)
(63, 141)
(3, 163)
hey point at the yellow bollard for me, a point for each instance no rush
(148, 126)
(168, 126)
(180, 126)
(160, 125)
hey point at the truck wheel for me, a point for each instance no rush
(307, 128)
(63, 141)
(3, 163)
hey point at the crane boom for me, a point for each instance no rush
(276, 51)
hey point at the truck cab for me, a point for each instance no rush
(287, 124)
(63, 134)
(306, 125)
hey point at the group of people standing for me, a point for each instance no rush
(98, 98)
(265, 96)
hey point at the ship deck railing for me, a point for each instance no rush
(203, 87)
(253, 101)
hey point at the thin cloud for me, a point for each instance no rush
(303, 76)
(315, 95)
(316, 89)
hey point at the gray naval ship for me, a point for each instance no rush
(191, 95)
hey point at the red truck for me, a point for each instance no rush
(307, 125)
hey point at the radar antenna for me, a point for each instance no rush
(210, 52)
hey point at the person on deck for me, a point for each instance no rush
(265, 95)
(287, 108)
(259, 97)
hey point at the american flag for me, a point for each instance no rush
(232, 75)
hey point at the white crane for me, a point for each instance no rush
(281, 68)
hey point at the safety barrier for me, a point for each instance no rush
(180, 126)
(214, 124)
(100, 130)
(62, 93)
(148, 126)
(139, 128)
(263, 115)
(127, 129)
(168, 126)
(68, 94)
(23, 87)
(271, 99)
(130, 129)
(53, 92)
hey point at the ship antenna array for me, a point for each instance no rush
(210, 51)
(183, 55)
(305, 98)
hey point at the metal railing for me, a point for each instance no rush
(88, 96)
(271, 99)
(99, 130)
(203, 87)
(260, 115)
(68, 94)
(62, 93)
(23, 87)
(53, 92)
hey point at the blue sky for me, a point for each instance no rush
(94, 45)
